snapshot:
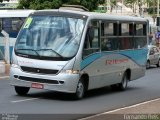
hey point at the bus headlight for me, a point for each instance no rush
(71, 71)
(15, 66)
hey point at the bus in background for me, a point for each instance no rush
(11, 22)
(102, 9)
(73, 51)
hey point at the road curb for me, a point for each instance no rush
(4, 70)
(4, 77)
(2, 67)
(103, 115)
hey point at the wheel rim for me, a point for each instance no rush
(124, 83)
(80, 89)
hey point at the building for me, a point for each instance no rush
(12, 4)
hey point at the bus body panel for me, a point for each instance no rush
(63, 82)
(57, 65)
(69, 84)
(109, 67)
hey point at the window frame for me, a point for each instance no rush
(92, 49)
(105, 36)
(117, 35)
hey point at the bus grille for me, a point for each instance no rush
(39, 70)
(38, 80)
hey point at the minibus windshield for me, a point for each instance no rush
(49, 37)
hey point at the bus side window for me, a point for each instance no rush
(126, 35)
(108, 35)
(91, 44)
(12, 26)
(140, 35)
(0, 24)
(6, 24)
(17, 23)
(89, 38)
(0, 27)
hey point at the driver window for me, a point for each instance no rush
(91, 44)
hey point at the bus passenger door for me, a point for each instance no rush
(91, 54)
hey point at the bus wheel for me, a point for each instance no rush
(124, 82)
(80, 90)
(21, 90)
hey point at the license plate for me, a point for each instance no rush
(37, 85)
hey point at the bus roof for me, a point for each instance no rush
(93, 15)
(15, 13)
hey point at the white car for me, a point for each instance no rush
(153, 56)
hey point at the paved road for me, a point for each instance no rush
(96, 101)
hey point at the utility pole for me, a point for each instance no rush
(141, 8)
(122, 7)
(6, 39)
(140, 3)
(108, 5)
(158, 8)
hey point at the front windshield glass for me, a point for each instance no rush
(50, 37)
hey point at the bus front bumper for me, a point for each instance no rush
(61, 82)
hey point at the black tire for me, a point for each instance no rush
(158, 64)
(21, 90)
(114, 87)
(124, 83)
(80, 90)
(148, 65)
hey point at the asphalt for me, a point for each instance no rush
(145, 108)
(4, 76)
(148, 110)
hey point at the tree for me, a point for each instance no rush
(53, 4)
(39, 4)
(4, 0)
(44, 4)
(132, 4)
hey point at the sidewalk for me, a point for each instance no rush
(147, 110)
(4, 76)
(4, 70)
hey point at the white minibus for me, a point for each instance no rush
(72, 51)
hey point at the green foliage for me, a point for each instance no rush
(53, 4)
(130, 1)
(4, 0)
(39, 4)
(151, 10)
(113, 2)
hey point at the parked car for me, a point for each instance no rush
(153, 56)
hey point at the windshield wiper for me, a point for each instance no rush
(31, 50)
(52, 51)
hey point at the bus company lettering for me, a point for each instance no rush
(24, 62)
(110, 62)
